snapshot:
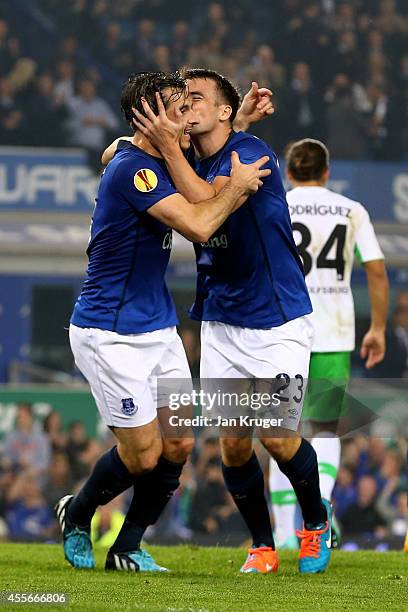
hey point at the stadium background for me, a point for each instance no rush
(338, 71)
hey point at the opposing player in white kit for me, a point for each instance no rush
(123, 333)
(328, 229)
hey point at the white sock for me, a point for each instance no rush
(284, 503)
(328, 450)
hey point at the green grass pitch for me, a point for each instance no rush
(204, 579)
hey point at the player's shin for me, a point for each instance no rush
(328, 450)
(109, 478)
(302, 471)
(284, 506)
(246, 485)
(152, 492)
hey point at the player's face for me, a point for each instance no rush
(206, 105)
(181, 109)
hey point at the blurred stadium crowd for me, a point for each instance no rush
(40, 462)
(339, 70)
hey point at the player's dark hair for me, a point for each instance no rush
(144, 85)
(225, 89)
(307, 160)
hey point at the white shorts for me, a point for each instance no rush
(123, 371)
(260, 355)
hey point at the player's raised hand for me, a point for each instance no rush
(256, 105)
(248, 177)
(162, 132)
(373, 348)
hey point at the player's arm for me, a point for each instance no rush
(198, 221)
(110, 151)
(187, 182)
(373, 345)
(256, 105)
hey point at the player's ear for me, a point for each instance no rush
(225, 112)
(326, 175)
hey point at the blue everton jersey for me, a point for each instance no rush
(249, 272)
(129, 250)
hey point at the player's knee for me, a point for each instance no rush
(140, 460)
(281, 449)
(236, 451)
(147, 461)
(178, 450)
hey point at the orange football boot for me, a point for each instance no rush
(262, 560)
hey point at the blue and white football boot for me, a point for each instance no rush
(77, 541)
(134, 561)
(315, 545)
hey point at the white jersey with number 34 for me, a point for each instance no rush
(327, 228)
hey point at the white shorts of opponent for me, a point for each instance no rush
(124, 371)
(257, 356)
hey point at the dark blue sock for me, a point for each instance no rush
(109, 478)
(246, 485)
(303, 473)
(152, 492)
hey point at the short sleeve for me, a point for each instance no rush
(366, 240)
(143, 186)
(249, 151)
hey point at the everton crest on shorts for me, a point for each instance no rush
(128, 406)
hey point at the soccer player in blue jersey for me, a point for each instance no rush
(254, 305)
(123, 333)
